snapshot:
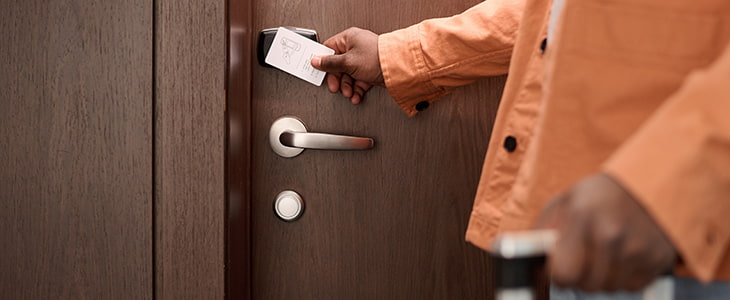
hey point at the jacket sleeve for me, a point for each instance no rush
(678, 166)
(427, 60)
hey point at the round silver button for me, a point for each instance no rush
(289, 206)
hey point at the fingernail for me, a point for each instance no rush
(316, 61)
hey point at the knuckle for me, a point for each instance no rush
(634, 254)
(352, 31)
(608, 234)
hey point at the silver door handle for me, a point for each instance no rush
(324, 141)
(289, 137)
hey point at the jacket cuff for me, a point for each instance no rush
(700, 241)
(678, 166)
(404, 71)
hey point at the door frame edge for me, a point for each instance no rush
(239, 23)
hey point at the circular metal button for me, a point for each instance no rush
(289, 206)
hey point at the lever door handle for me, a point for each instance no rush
(289, 137)
(324, 141)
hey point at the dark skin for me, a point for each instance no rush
(355, 67)
(607, 241)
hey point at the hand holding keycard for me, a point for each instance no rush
(293, 53)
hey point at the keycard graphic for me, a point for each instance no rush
(293, 53)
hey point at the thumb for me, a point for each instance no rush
(330, 63)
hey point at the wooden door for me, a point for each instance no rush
(112, 149)
(76, 150)
(386, 223)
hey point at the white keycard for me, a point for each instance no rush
(293, 53)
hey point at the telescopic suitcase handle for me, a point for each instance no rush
(519, 254)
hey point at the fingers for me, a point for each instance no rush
(356, 53)
(359, 91)
(333, 82)
(637, 282)
(346, 86)
(331, 63)
(352, 89)
(338, 42)
(599, 274)
(317, 62)
(639, 270)
(354, 67)
(568, 258)
(553, 213)
(606, 240)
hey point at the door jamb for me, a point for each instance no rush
(238, 154)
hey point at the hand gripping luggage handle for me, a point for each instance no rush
(520, 254)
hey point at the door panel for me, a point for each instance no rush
(75, 149)
(189, 151)
(386, 223)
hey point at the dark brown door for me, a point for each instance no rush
(386, 223)
(112, 149)
(76, 150)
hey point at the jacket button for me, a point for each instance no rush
(543, 46)
(510, 144)
(421, 106)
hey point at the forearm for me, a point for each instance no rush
(427, 60)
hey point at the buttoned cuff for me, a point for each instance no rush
(700, 240)
(405, 72)
(678, 166)
(483, 225)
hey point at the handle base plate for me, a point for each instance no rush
(285, 123)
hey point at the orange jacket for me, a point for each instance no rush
(639, 89)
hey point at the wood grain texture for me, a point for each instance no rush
(75, 149)
(189, 153)
(387, 223)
